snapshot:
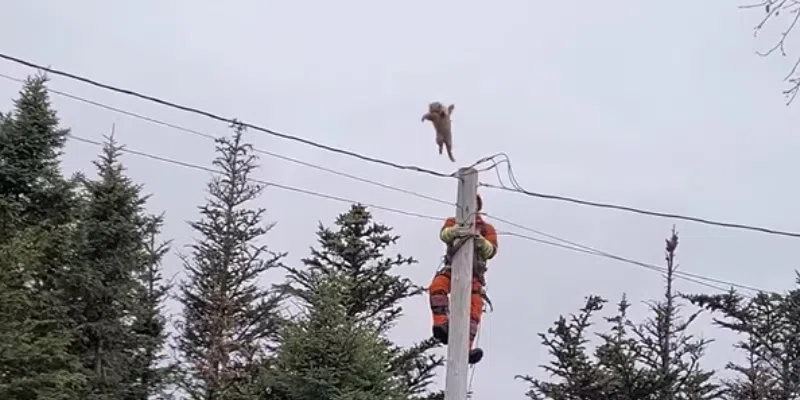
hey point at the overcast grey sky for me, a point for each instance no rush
(660, 105)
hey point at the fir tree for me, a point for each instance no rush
(147, 377)
(109, 255)
(35, 362)
(654, 360)
(768, 324)
(328, 354)
(228, 322)
(619, 357)
(37, 211)
(355, 251)
(32, 189)
(579, 376)
(668, 350)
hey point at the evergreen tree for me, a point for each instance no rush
(228, 322)
(328, 354)
(768, 324)
(654, 360)
(109, 255)
(668, 350)
(35, 362)
(619, 356)
(32, 189)
(146, 377)
(579, 376)
(37, 211)
(355, 251)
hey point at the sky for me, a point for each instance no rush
(659, 105)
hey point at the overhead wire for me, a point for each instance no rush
(699, 279)
(231, 121)
(574, 246)
(577, 247)
(212, 137)
(515, 185)
(517, 188)
(263, 182)
(490, 159)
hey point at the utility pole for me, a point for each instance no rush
(460, 290)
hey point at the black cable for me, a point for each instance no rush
(646, 212)
(575, 247)
(517, 188)
(212, 137)
(231, 121)
(619, 258)
(492, 159)
(263, 182)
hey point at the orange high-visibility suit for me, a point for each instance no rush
(485, 249)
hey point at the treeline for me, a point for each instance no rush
(82, 299)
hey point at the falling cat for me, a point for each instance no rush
(440, 118)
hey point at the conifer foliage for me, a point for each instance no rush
(150, 374)
(228, 320)
(328, 354)
(768, 325)
(658, 359)
(353, 252)
(37, 209)
(110, 254)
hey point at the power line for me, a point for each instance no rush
(606, 254)
(516, 188)
(690, 277)
(642, 211)
(572, 245)
(699, 279)
(263, 182)
(232, 121)
(212, 137)
(613, 257)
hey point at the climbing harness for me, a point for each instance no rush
(478, 272)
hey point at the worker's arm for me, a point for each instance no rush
(447, 233)
(488, 242)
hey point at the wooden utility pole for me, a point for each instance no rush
(460, 290)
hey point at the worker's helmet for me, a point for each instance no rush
(478, 202)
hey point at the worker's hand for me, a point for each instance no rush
(484, 247)
(454, 232)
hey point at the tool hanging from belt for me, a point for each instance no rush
(448, 259)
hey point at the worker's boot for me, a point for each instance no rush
(440, 333)
(475, 355)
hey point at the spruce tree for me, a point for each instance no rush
(110, 249)
(228, 321)
(37, 214)
(35, 362)
(355, 251)
(147, 377)
(655, 360)
(669, 350)
(32, 188)
(329, 354)
(767, 324)
(578, 375)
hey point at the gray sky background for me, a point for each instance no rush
(660, 105)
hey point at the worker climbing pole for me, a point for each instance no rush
(457, 290)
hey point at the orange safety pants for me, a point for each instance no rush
(439, 291)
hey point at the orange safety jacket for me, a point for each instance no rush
(487, 231)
